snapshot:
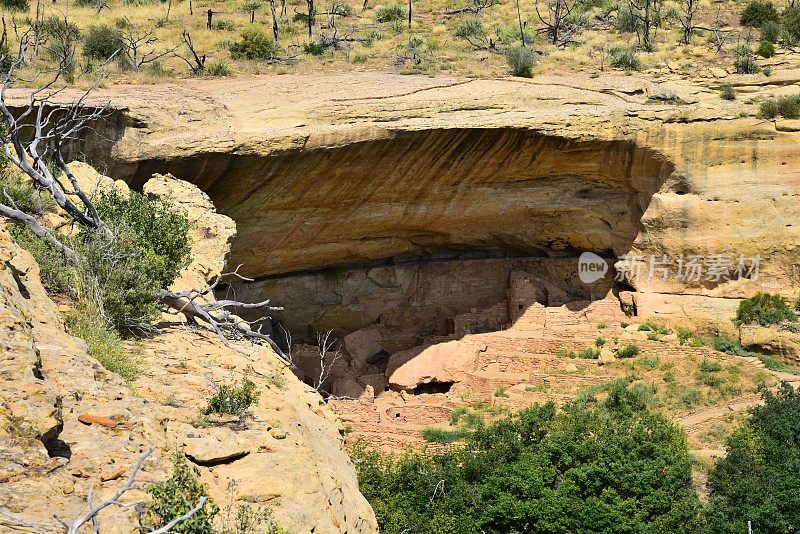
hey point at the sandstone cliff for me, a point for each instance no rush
(288, 454)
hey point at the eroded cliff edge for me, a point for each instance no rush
(336, 172)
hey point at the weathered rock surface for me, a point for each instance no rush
(66, 423)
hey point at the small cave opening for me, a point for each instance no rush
(57, 448)
(432, 388)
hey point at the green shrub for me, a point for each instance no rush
(601, 326)
(218, 69)
(253, 44)
(233, 399)
(599, 342)
(767, 70)
(757, 12)
(650, 326)
(687, 337)
(438, 435)
(769, 109)
(510, 35)
(564, 353)
(765, 49)
(470, 29)
(727, 92)
(789, 106)
(105, 345)
(757, 480)
(19, 6)
(791, 24)
(161, 233)
(627, 21)
(709, 366)
(521, 60)
(342, 9)
(313, 49)
(390, 13)
(624, 58)
(577, 469)
(224, 25)
(774, 364)
(730, 346)
(501, 392)
(628, 351)
(174, 497)
(102, 42)
(764, 309)
(770, 31)
(690, 398)
(744, 62)
(589, 354)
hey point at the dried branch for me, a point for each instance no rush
(199, 305)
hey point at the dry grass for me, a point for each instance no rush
(430, 44)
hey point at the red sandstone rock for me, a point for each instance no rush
(89, 419)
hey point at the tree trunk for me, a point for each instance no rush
(521, 28)
(310, 16)
(274, 20)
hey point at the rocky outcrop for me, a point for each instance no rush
(68, 425)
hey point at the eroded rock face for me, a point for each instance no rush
(66, 423)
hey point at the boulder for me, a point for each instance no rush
(440, 363)
(211, 233)
(772, 340)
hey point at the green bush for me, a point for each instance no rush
(176, 496)
(161, 233)
(765, 49)
(19, 6)
(105, 345)
(770, 31)
(470, 29)
(611, 466)
(439, 435)
(391, 13)
(769, 109)
(789, 106)
(727, 92)
(791, 24)
(233, 399)
(650, 326)
(510, 35)
(102, 42)
(730, 346)
(627, 21)
(767, 70)
(254, 44)
(224, 25)
(589, 354)
(744, 62)
(764, 309)
(628, 351)
(624, 58)
(218, 69)
(757, 480)
(757, 12)
(313, 49)
(521, 60)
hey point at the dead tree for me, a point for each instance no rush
(521, 26)
(198, 65)
(326, 360)
(310, 4)
(689, 7)
(138, 51)
(91, 516)
(643, 12)
(200, 307)
(274, 20)
(557, 13)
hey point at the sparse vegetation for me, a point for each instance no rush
(232, 398)
(624, 58)
(728, 92)
(628, 351)
(390, 13)
(105, 345)
(745, 63)
(521, 60)
(765, 49)
(650, 326)
(177, 495)
(764, 309)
